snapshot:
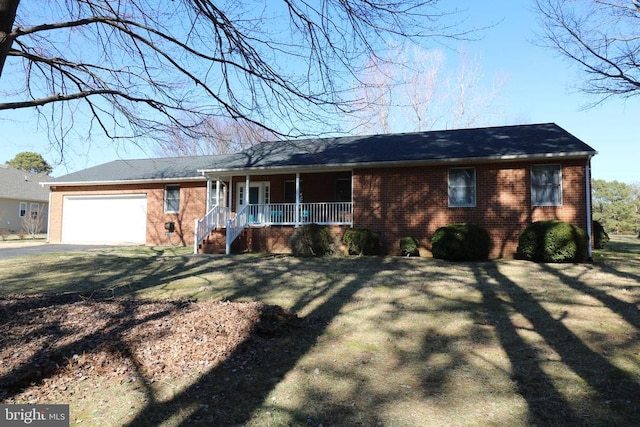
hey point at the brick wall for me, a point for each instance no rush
(399, 202)
(192, 207)
(274, 239)
(394, 202)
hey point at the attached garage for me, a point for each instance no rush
(105, 219)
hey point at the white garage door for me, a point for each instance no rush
(104, 219)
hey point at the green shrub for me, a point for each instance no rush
(409, 246)
(312, 240)
(600, 236)
(553, 241)
(461, 242)
(361, 242)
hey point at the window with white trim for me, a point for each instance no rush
(22, 209)
(462, 187)
(34, 210)
(172, 199)
(546, 185)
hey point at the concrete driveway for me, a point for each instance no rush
(26, 248)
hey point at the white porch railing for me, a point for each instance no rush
(324, 213)
(300, 214)
(217, 217)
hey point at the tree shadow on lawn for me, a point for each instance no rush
(229, 393)
(46, 359)
(627, 310)
(615, 394)
(106, 274)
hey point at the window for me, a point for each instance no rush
(172, 199)
(213, 201)
(462, 187)
(22, 210)
(34, 209)
(290, 191)
(546, 185)
(343, 190)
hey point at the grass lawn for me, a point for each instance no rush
(383, 341)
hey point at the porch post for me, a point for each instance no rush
(246, 190)
(208, 208)
(218, 201)
(230, 201)
(297, 211)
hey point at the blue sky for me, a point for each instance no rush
(540, 87)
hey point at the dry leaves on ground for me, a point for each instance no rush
(49, 342)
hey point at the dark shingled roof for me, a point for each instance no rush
(491, 143)
(20, 185)
(170, 168)
(542, 140)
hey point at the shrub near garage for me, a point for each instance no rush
(461, 242)
(553, 241)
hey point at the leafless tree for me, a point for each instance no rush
(218, 135)
(415, 92)
(33, 222)
(602, 37)
(135, 69)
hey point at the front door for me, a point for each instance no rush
(258, 198)
(254, 195)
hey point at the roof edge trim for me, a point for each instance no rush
(122, 181)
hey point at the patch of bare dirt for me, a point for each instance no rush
(50, 342)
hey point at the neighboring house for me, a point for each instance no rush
(22, 197)
(398, 185)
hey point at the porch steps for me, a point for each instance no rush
(215, 242)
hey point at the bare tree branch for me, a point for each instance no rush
(602, 37)
(414, 92)
(141, 69)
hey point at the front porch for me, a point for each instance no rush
(274, 200)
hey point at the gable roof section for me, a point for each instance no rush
(142, 171)
(480, 144)
(538, 141)
(20, 185)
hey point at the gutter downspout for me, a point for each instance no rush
(49, 219)
(588, 206)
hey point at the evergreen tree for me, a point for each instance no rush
(30, 162)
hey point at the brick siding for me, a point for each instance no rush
(393, 202)
(399, 202)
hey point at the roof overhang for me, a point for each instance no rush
(283, 169)
(122, 182)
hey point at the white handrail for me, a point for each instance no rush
(235, 227)
(215, 218)
(325, 213)
(303, 213)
